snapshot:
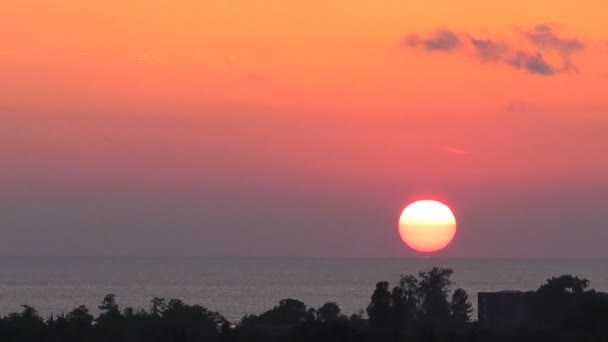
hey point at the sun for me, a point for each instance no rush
(427, 226)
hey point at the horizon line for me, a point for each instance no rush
(412, 257)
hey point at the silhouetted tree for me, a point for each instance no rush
(26, 326)
(329, 312)
(288, 312)
(557, 302)
(191, 322)
(404, 306)
(110, 323)
(128, 312)
(80, 318)
(379, 309)
(282, 320)
(406, 302)
(434, 287)
(158, 306)
(564, 284)
(563, 309)
(460, 307)
(77, 325)
(108, 304)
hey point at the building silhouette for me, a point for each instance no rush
(503, 309)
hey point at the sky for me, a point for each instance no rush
(273, 128)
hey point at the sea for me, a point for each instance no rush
(235, 287)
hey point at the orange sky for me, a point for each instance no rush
(183, 94)
(312, 54)
(312, 63)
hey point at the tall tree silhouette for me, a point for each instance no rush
(110, 323)
(411, 295)
(434, 287)
(158, 305)
(108, 304)
(460, 307)
(379, 309)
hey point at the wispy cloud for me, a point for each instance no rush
(545, 38)
(442, 40)
(530, 54)
(144, 55)
(6, 52)
(84, 54)
(454, 150)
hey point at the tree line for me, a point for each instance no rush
(421, 307)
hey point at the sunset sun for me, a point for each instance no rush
(427, 226)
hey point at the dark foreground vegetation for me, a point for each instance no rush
(422, 308)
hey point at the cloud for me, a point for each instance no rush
(442, 40)
(488, 50)
(539, 50)
(544, 38)
(532, 63)
(6, 52)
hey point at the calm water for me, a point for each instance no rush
(236, 286)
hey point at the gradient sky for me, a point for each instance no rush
(262, 128)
